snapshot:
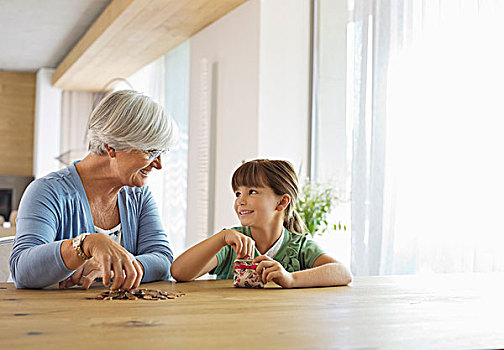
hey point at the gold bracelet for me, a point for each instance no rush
(77, 245)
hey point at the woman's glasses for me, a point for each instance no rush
(154, 153)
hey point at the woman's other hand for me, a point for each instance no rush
(272, 270)
(114, 260)
(242, 245)
(84, 276)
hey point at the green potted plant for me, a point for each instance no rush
(314, 205)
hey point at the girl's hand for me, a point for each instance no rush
(242, 245)
(271, 270)
(113, 259)
(84, 276)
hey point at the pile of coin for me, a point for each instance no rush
(134, 294)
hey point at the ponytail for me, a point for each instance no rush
(293, 222)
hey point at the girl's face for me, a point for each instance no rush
(257, 206)
(134, 167)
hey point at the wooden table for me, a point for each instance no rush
(440, 311)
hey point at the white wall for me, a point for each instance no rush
(331, 148)
(284, 66)
(332, 92)
(232, 44)
(46, 145)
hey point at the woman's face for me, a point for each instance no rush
(134, 167)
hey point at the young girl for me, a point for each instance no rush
(272, 232)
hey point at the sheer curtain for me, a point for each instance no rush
(427, 115)
(76, 107)
(166, 80)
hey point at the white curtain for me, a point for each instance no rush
(174, 210)
(427, 108)
(76, 107)
(166, 80)
(47, 124)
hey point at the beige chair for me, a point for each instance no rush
(5, 249)
(13, 217)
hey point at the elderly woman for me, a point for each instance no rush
(95, 218)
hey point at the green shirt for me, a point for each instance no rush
(297, 252)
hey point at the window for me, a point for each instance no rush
(427, 117)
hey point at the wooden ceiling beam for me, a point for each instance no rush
(130, 34)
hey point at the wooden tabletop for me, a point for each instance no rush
(440, 311)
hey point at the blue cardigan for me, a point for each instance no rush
(55, 208)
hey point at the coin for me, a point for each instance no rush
(135, 294)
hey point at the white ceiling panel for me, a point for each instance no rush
(35, 33)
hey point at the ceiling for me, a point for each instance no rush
(36, 33)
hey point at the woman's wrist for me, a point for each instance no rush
(69, 255)
(77, 245)
(141, 265)
(87, 244)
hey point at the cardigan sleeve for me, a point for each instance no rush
(35, 260)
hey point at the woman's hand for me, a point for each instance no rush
(242, 245)
(113, 259)
(84, 276)
(271, 270)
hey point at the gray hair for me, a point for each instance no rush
(128, 120)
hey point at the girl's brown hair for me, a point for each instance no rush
(281, 177)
